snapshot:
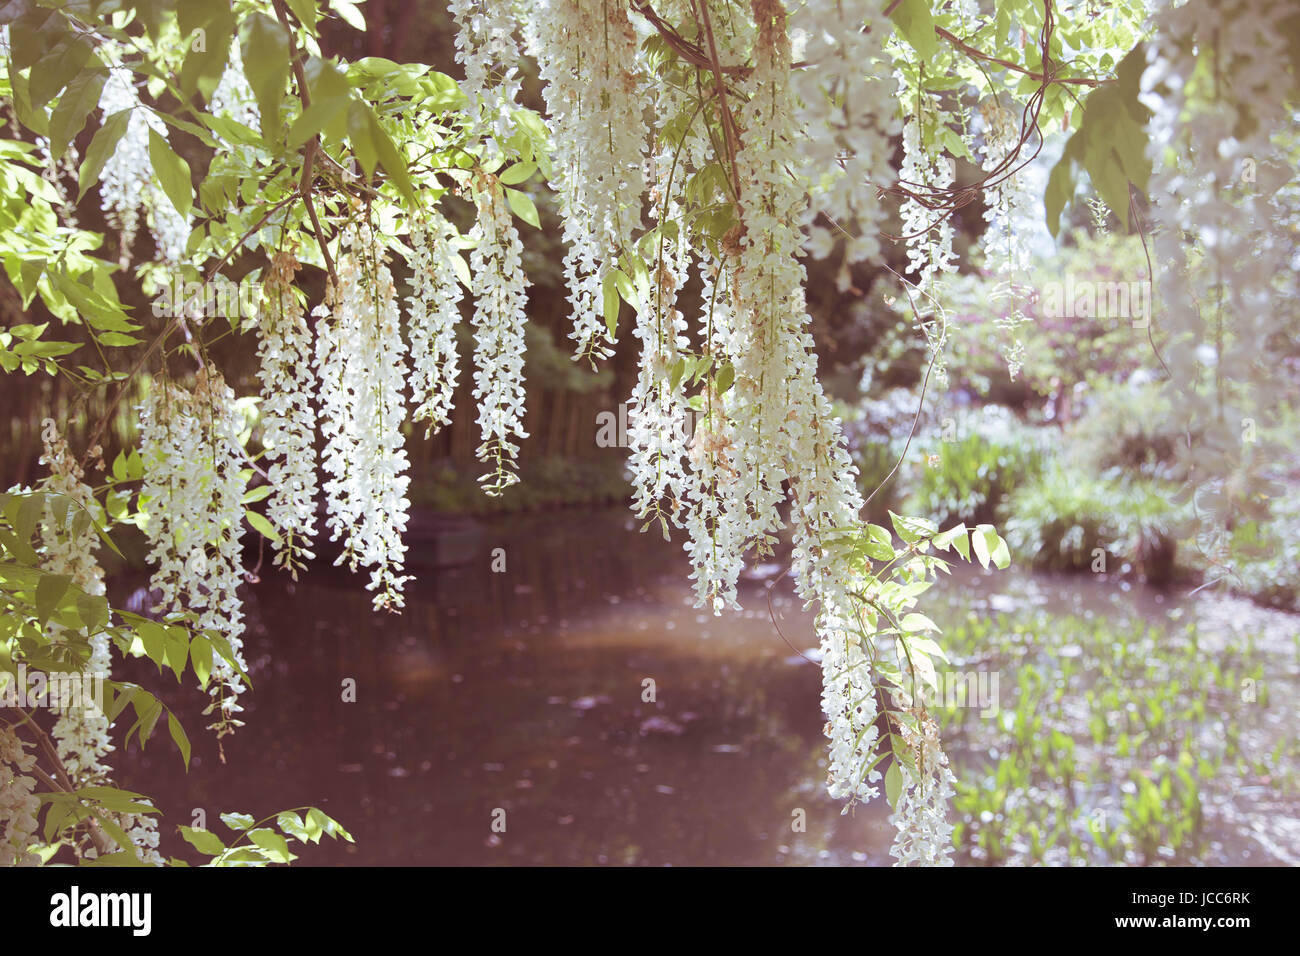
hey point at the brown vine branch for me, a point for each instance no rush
(730, 137)
(103, 843)
(311, 148)
(1046, 76)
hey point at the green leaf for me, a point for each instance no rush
(328, 825)
(517, 174)
(177, 649)
(1060, 185)
(389, 157)
(610, 302)
(348, 11)
(893, 784)
(877, 543)
(461, 269)
(724, 379)
(178, 735)
(173, 173)
(1001, 554)
(917, 622)
(912, 529)
(93, 611)
(915, 21)
(289, 822)
(57, 69)
(266, 64)
(276, 846)
(981, 544)
(238, 821)
(119, 801)
(306, 12)
(330, 95)
(49, 593)
(81, 96)
(523, 207)
(153, 638)
(148, 709)
(264, 527)
(205, 841)
(201, 659)
(101, 149)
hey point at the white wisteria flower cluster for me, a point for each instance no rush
(488, 50)
(924, 834)
(595, 93)
(192, 496)
(284, 349)
(766, 434)
(68, 546)
(1221, 236)
(19, 803)
(847, 105)
(434, 314)
(361, 366)
(657, 417)
(498, 285)
(929, 233)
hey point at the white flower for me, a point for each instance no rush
(924, 835)
(18, 802)
(288, 421)
(596, 94)
(847, 105)
(498, 285)
(657, 415)
(360, 362)
(193, 493)
(434, 316)
(928, 232)
(487, 49)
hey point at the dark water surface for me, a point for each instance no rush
(522, 691)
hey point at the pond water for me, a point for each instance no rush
(524, 691)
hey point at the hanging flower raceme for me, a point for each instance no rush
(658, 417)
(488, 50)
(1220, 244)
(68, 546)
(19, 804)
(360, 362)
(766, 342)
(498, 285)
(1010, 213)
(284, 349)
(1008, 207)
(127, 183)
(434, 315)
(928, 232)
(715, 496)
(924, 835)
(586, 52)
(193, 490)
(848, 106)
